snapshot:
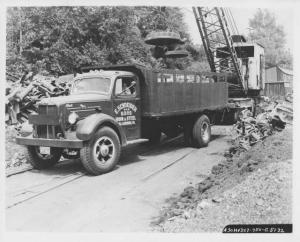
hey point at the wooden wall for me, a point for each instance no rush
(273, 89)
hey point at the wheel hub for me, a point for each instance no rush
(204, 131)
(104, 150)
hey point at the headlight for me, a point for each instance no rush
(73, 118)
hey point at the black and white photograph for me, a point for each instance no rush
(149, 118)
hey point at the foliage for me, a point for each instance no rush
(60, 40)
(271, 35)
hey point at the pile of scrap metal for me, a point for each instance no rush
(22, 95)
(289, 97)
(273, 116)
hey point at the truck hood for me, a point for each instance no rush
(75, 98)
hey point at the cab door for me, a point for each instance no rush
(127, 105)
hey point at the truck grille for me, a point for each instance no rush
(48, 131)
(47, 109)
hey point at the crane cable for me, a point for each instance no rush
(227, 16)
(237, 31)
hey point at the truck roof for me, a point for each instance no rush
(125, 69)
(107, 67)
(105, 73)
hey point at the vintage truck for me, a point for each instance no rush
(110, 106)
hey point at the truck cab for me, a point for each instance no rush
(121, 102)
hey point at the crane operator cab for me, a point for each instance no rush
(251, 61)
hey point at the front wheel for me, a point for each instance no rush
(201, 132)
(100, 154)
(40, 159)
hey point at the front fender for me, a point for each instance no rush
(88, 126)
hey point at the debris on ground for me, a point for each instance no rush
(23, 94)
(250, 130)
(15, 154)
(208, 206)
(289, 97)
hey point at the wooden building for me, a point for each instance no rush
(279, 81)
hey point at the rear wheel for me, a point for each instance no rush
(101, 154)
(42, 160)
(201, 132)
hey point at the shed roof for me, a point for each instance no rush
(286, 71)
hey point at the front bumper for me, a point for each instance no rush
(63, 143)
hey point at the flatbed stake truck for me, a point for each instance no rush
(110, 106)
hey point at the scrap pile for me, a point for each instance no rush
(22, 95)
(273, 117)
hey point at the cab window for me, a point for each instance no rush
(92, 84)
(125, 86)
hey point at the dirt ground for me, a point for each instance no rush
(247, 188)
(124, 200)
(14, 153)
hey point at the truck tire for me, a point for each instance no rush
(42, 161)
(101, 153)
(201, 132)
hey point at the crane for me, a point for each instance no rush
(219, 45)
(229, 52)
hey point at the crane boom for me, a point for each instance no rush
(217, 41)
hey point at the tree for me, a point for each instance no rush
(271, 35)
(60, 40)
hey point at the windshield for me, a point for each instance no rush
(92, 84)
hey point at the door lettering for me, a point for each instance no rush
(126, 114)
